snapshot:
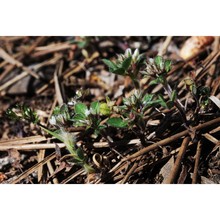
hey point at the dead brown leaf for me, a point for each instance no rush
(194, 44)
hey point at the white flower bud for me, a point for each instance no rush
(135, 55)
(128, 52)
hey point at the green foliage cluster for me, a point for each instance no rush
(99, 116)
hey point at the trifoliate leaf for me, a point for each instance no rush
(81, 108)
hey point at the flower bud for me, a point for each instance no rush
(128, 52)
(135, 55)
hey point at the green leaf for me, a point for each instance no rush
(100, 127)
(12, 115)
(63, 109)
(119, 71)
(204, 91)
(170, 104)
(158, 60)
(81, 108)
(168, 65)
(162, 101)
(80, 154)
(193, 89)
(104, 109)
(79, 117)
(56, 110)
(112, 66)
(53, 133)
(126, 101)
(173, 95)
(158, 80)
(126, 63)
(154, 102)
(147, 98)
(141, 60)
(79, 120)
(95, 108)
(117, 122)
(82, 44)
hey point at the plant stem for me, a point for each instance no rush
(177, 102)
(88, 168)
(135, 81)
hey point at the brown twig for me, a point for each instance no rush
(171, 139)
(133, 168)
(17, 63)
(175, 169)
(41, 51)
(196, 166)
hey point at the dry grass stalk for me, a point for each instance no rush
(33, 168)
(30, 146)
(25, 140)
